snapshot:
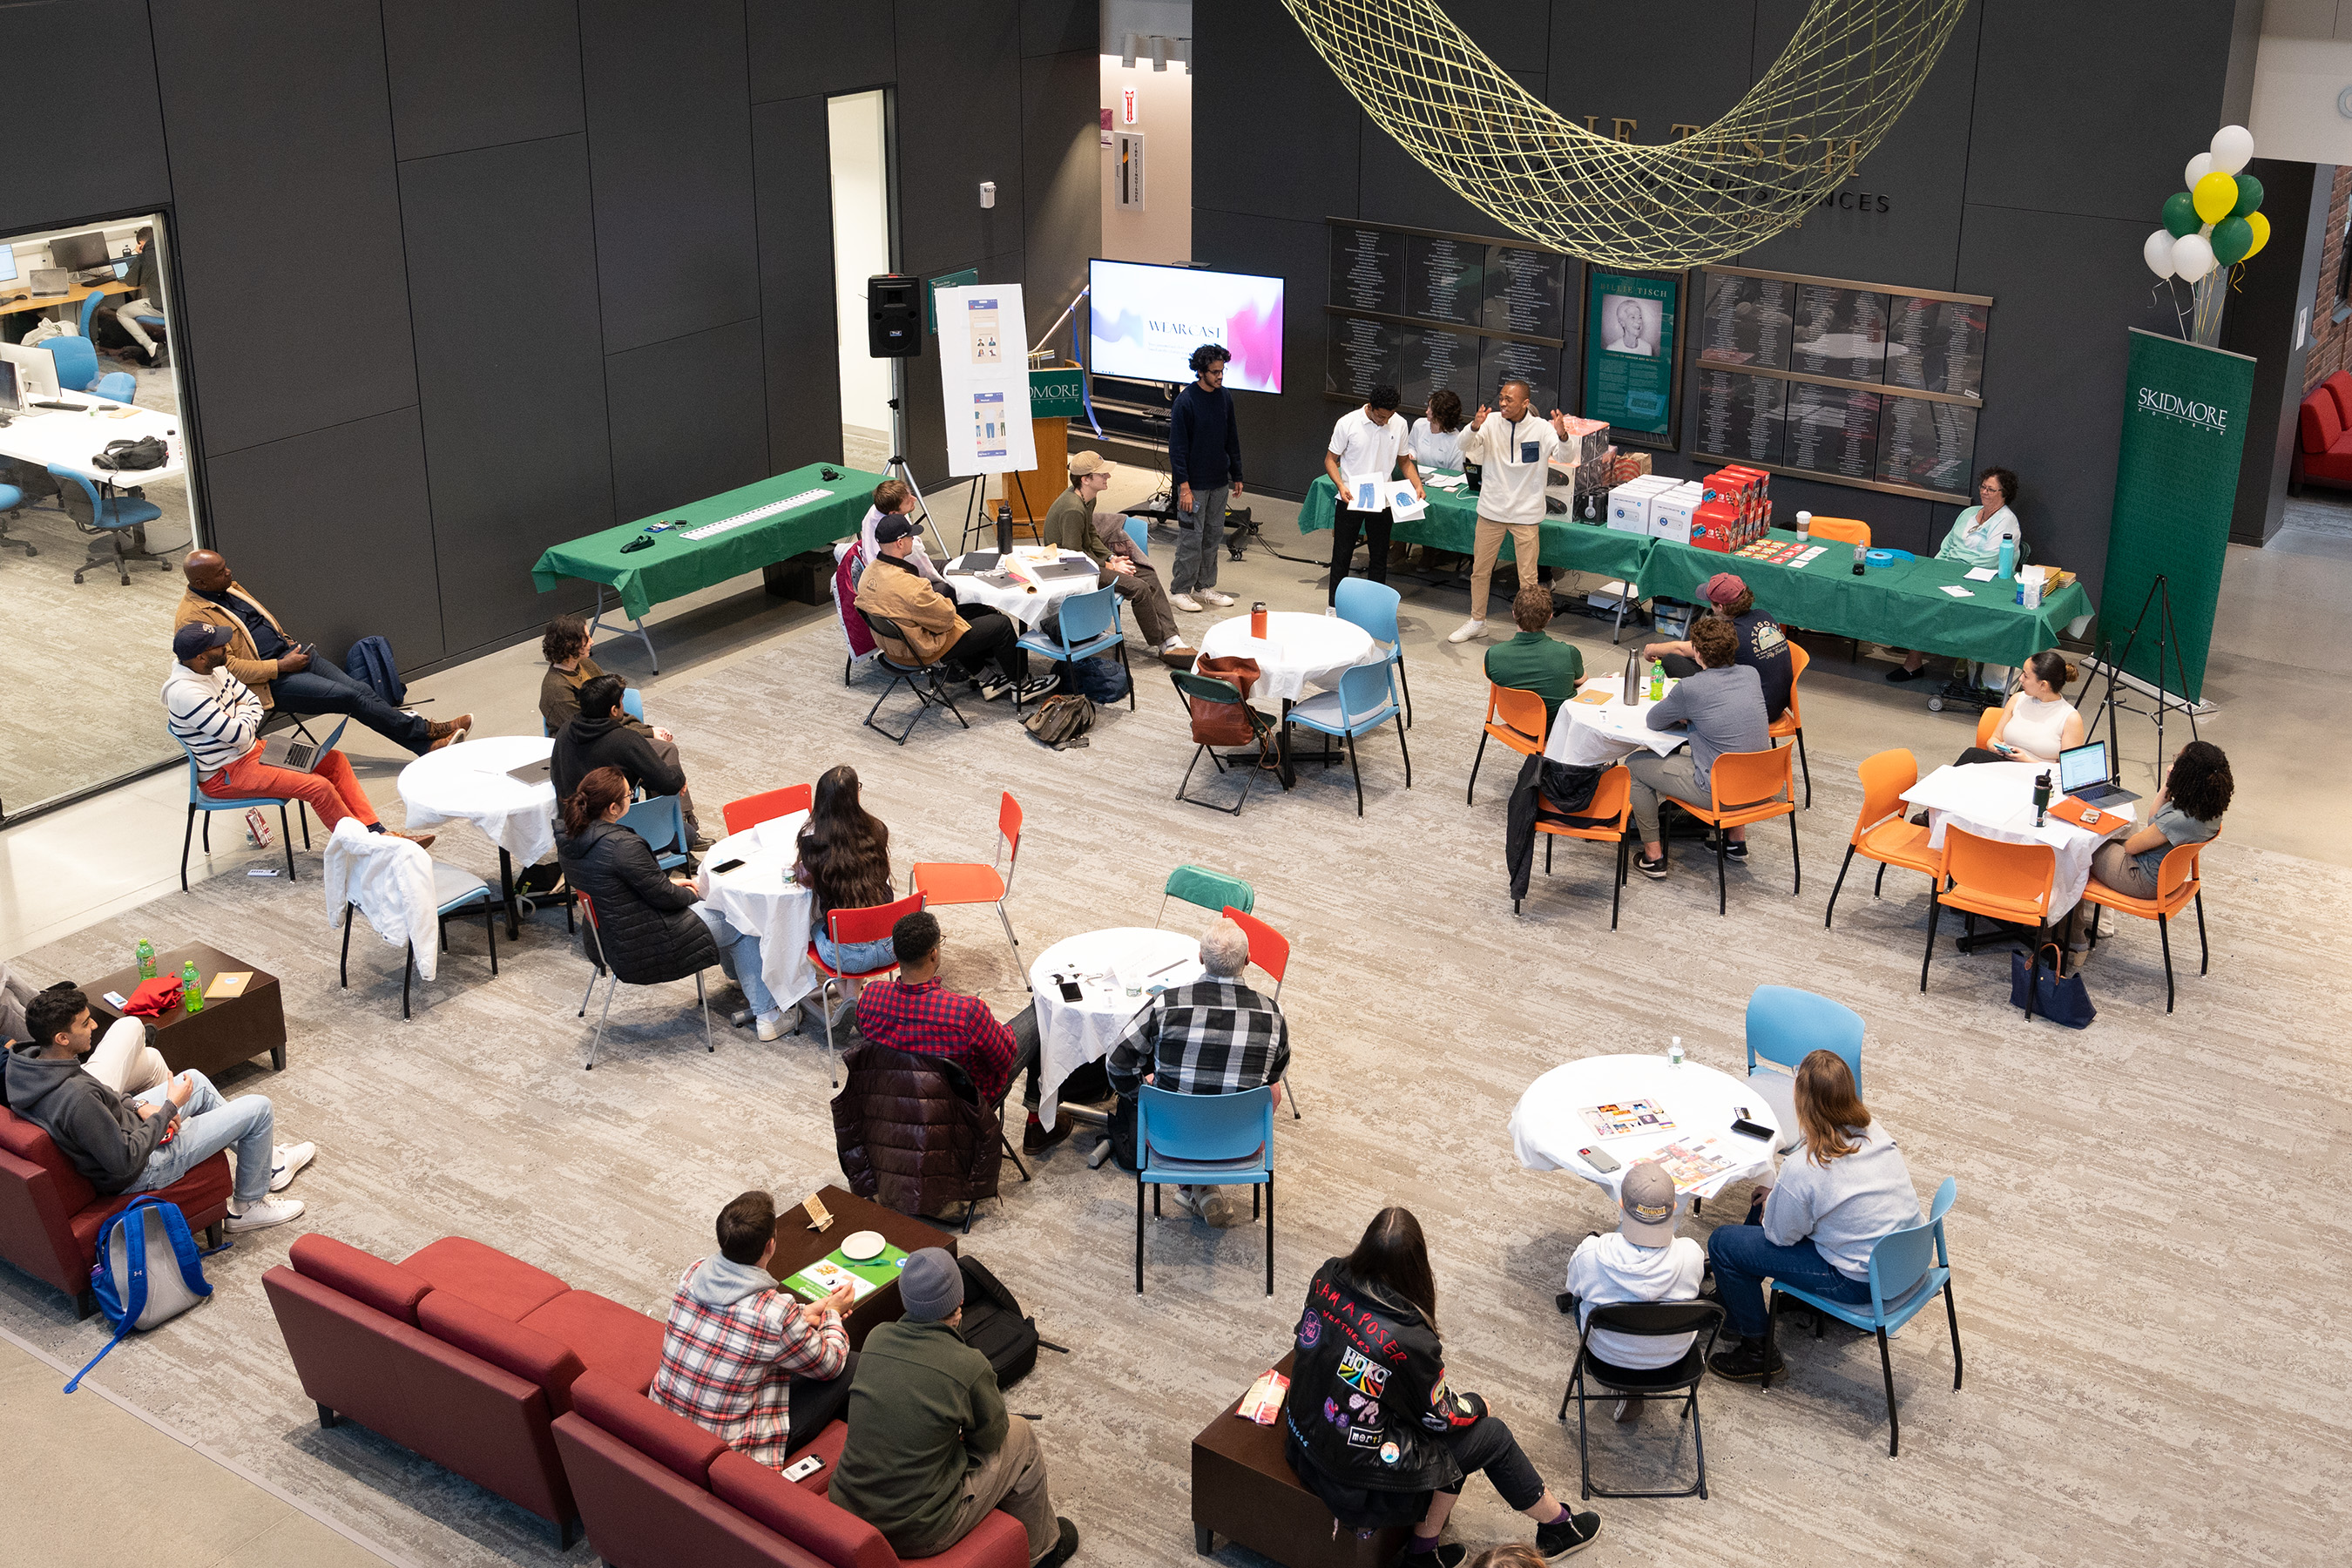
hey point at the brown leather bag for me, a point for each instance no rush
(1221, 723)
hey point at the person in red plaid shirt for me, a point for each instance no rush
(917, 1013)
(741, 1357)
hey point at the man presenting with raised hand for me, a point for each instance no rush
(1513, 449)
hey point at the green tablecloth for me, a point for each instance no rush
(1902, 605)
(676, 564)
(1452, 523)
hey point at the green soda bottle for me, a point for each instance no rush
(192, 993)
(1657, 679)
(146, 959)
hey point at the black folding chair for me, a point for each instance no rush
(1648, 1320)
(1225, 693)
(915, 677)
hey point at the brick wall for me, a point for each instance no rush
(2331, 341)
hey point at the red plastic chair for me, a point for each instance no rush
(755, 809)
(848, 927)
(1270, 951)
(944, 882)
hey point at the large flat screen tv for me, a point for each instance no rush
(1147, 319)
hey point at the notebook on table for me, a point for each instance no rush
(1065, 569)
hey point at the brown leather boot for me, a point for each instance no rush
(422, 840)
(448, 731)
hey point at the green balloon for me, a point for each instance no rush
(2180, 215)
(2249, 195)
(2232, 238)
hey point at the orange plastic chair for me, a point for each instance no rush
(1744, 784)
(2177, 882)
(1846, 529)
(1792, 723)
(848, 928)
(1514, 716)
(1270, 951)
(1988, 722)
(755, 809)
(944, 882)
(1604, 820)
(1995, 879)
(1881, 833)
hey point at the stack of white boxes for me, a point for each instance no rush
(1629, 503)
(1670, 511)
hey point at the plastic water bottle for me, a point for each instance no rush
(146, 959)
(1657, 680)
(1675, 1053)
(2008, 558)
(1859, 551)
(192, 992)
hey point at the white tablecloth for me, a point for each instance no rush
(1072, 1034)
(1028, 600)
(467, 783)
(1995, 800)
(1589, 734)
(760, 896)
(1300, 650)
(1548, 1127)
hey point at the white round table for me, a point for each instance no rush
(1995, 800)
(1104, 964)
(1027, 600)
(467, 782)
(1299, 650)
(1589, 734)
(1549, 1125)
(760, 896)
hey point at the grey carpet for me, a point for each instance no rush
(2150, 1278)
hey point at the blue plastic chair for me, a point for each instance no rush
(1208, 890)
(1205, 1140)
(77, 361)
(1089, 623)
(1373, 606)
(115, 515)
(1366, 701)
(660, 821)
(1139, 533)
(632, 703)
(454, 892)
(117, 386)
(89, 304)
(1908, 1268)
(199, 801)
(12, 501)
(1784, 1024)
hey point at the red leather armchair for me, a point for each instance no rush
(49, 1213)
(2324, 445)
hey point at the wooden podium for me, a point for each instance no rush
(1054, 395)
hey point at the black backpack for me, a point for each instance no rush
(995, 1325)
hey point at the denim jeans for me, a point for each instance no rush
(858, 958)
(1743, 1258)
(739, 955)
(1487, 1445)
(1199, 536)
(324, 688)
(209, 1124)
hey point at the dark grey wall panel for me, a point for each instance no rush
(1656, 64)
(290, 186)
(514, 415)
(799, 48)
(343, 559)
(1064, 27)
(116, 159)
(796, 302)
(1274, 133)
(689, 418)
(669, 139)
(1061, 174)
(478, 73)
(1394, 187)
(1283, 437)
(971, 49)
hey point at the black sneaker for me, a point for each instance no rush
(1899, 675)
(1447, 1554)
(1744, 1362)
(1063, 1549)
(1737, 850)
(1654, 869)
(1564, 1536)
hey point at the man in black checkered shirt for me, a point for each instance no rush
(1215, 1036)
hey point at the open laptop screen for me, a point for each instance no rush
(2084, 766)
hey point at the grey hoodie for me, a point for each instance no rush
(99, 1132)
(720, 1281)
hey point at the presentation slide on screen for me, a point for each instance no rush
(1147, 321)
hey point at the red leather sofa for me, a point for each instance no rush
(2324, 449)
(657, 1490)
(49, 1213)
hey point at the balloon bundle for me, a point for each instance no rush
(2209, 228)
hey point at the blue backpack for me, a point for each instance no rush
(133, 1278)
(369, 662)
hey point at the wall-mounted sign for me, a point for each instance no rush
(1127, 179)
(1632, 335)
(1128, 107)
(1421, 309)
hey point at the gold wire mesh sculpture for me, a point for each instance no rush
(1828, 99)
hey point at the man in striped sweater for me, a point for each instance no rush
(220, 719)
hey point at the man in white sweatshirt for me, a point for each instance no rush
(1642, 1260)
(1513, 449)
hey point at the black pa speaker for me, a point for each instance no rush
(894, 317)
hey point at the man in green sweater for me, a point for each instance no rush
(1070, 523)
(1535, 660)
(931, 1448)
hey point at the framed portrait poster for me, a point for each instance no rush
(1632, 335)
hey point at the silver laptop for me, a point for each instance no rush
(2083, 774)
(292, 751)
(49, 280)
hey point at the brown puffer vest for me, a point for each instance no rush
(912, 1134)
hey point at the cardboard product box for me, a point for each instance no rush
(1590, 505)
(1629, 465)
(1670, 512)
(1629, 503)
(1715, 526)
(1587, 439)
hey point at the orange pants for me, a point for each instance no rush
(332, 791)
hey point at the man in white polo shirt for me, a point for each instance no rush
(1513, 447)
(1366, 441)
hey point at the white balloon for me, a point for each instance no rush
(2158, 253)
(2191, 257)
(2232, 146)
(2199, 167)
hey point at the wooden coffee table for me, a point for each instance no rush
(1244, 1488)
(797, 1246)
(228, 1031)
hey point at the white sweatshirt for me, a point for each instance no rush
(1515, 464)
(1845, 1206)
(1608, 1269)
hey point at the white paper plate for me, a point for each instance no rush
(862, 1247)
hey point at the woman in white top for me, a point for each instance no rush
(892, 497)
(1975, 540)
(2039, 722)
(1839, 1192)
(1436, 439)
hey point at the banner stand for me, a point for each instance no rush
(2167, 640)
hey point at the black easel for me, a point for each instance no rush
(2168, 639)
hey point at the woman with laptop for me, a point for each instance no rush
(2187, 810)
(2038, 722)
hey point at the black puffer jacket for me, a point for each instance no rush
(646, 921)
(912, 1134)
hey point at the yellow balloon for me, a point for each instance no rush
(2213, 197)
(2261, 228)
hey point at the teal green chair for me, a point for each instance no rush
(1210, 889)
(660, 821)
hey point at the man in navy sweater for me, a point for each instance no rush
(1205, 459)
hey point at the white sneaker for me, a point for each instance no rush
(264, 1213)
(1467, 630)
(772, 1027)
(288, 1162)
(1186, 603)
(1214, 597)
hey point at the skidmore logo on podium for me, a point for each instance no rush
(2188, 411)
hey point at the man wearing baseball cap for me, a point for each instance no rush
(218, 718)
(931, 1449)
(1642, 1260)
(1763, 645)
(1071, 524)
(971, 642)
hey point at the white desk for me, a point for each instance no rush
(54, 438)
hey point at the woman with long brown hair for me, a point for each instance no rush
(1839, 1192)
(845, 863)
(1374, 1429)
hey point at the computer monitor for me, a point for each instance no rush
(12, 400)
(78, 252)
(7, 262)
(36, 370)
(2084, 766)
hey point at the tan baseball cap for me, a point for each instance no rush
(1647, 1196)
(1088, 463)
